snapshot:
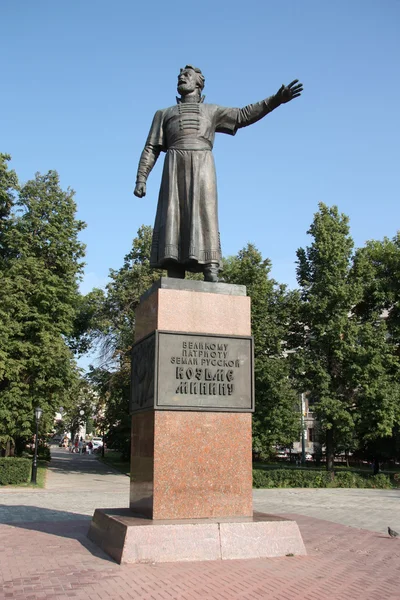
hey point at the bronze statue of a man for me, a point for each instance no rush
(186, 233)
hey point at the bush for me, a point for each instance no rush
(379, 481)
(346, 479)
(14, 470)
(25, 454)
(259, 479)
(43, 452)
(281, 478)
(291, 478)
(396, 479)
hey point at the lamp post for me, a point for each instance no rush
(38, 414)
(303, 433)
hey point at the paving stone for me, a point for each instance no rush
(44, 551)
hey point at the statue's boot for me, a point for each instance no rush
(211, 271)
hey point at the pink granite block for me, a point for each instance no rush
(202, 465)
(130, 539)
(108, 532)
(142, 463)
(146, 316)
(193, 312)
(182, 310)
(259, 539)
(192, 464)
(171, 543)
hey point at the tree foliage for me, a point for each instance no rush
(326, 328)
(276, 419)
(377, 266)
(345, 356)
(39, 271)
(113, 329)
(337, 337)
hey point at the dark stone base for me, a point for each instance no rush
(132, 539)
(172, 283)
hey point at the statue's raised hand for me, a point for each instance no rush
(140, 190)
(288, 92)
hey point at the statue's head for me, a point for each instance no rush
(189, 79)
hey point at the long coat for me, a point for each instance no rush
(186, 228)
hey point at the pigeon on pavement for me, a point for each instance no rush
(392, 533)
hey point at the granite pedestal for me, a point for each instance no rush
(130, 539)
(191, 457)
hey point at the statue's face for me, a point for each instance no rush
(187, 82)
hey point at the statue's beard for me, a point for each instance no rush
(184, 88)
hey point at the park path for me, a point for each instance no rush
(83, 472)
(45, 553)
(76, 485)
(368, 509)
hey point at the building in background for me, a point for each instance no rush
(310, 428)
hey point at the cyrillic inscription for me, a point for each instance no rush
(193, 372)
(211, 372)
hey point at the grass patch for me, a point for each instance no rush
(41, 475)
(114, 459)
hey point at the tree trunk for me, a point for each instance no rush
(329, 450)
(318, 455)
(8, 448)
(376, 465)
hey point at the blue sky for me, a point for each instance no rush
(82, 80)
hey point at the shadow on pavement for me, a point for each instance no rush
(56, 522)
(83, 469)
(66, 462)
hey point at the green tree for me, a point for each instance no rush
(112, 318)
(9, 187)
(112, 407)
(377, 266)
(41, 265)
(326, 327)
(8, 190)
(81, 410)
(276, 420)
(123, 295)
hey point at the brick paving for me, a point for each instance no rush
(49, 558)
(55, 561)
(367, 509)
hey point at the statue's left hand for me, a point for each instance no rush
(288, 92)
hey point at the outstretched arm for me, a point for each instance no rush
(254, 112)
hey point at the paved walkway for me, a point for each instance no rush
(76, 485)
(45, 554)
(368, 509)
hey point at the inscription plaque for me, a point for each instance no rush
(184, 371)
